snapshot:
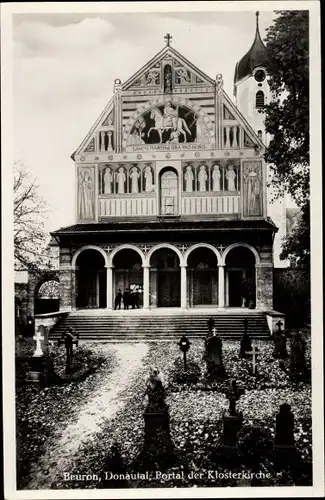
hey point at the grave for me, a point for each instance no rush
(297, 358)
(41, 365)
(284, 445)
(68, 339)
(254, 353)
(245, 342)
(280, 343)
(213, 356)
(158, 448)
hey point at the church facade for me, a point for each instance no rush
(171, 192)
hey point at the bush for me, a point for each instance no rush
(292, 295)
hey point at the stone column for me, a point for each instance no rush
(264, 286)
(221, 286)
(183, 287)
(146, 271)
(109, 287)
(102, 142)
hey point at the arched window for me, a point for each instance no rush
(49, 290)
(169, 193)
(259, 99)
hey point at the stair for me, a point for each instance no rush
(138, 328)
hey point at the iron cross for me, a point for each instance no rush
(254, 353)
(168, 39)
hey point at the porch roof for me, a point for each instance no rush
(113, 225)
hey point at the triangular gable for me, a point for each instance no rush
(236, 114)
(101, 120)
(140, 78)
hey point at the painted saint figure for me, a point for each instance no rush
(253, 193)
(189, 177)
(108, 178)
(182, 76)
(231, 177)
(148, 179)
(216, 176)
(86, 190)
(203, 177)
(168, 79)
(121, 178)
(134, 180)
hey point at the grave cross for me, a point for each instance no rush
(254, 353)
(38, 337)
(279, 324)
(168, 39)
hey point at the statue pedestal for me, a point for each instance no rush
(158, 447)
(232, 424)
(41, 370)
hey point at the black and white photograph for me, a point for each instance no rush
(161, 173)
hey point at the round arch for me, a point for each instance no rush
(178, 101)
(89, 247)
(202, 245)
(126, 246)
(162, 246)
(235, 245)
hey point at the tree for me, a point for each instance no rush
(287, 120)
(30, 240)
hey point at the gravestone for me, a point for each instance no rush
(158, 448)
(284, 445)
(245, 342)
(254, 352)
(41, 366)
(232, 422)
(284, 428)
(297, 357)
(211, 324)
(114, 464)
(213, 356)
(280, 343)
(69, 337)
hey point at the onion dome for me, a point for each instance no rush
(255, 57)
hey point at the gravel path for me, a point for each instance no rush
(101, 405)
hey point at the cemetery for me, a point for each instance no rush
(183, 410)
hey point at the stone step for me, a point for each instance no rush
(144, 327)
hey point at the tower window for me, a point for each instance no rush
(259, 134)
(259, 99)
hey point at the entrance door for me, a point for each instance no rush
(202, 287)
(169, 288)
(235, 288)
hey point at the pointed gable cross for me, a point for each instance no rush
(168, 39)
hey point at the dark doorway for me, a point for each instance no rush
(165, 279)
(128, 273)
(235, 284)
(91, 280)
(202, 277)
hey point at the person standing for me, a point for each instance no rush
(126, 298)
(118, 299)
(137, 298)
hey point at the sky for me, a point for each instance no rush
(64, 66)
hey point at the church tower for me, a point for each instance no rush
(251, 88)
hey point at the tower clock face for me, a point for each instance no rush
(260, 75)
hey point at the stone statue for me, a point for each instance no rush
(189, 177)
(168, 79)
(121, 178)
(170, 116)
(148, 178)
(181, 75)
(216, 175)
(134, 180)
(203, 176)
(253, 192)
(231, 176)
(174, 137)
(153, 77)
(108, 178)
(86, 190)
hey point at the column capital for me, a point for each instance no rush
(109, 266)
(146, 266)
(67, 268)
(221, 265)
(264, 264)
(183, 265)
